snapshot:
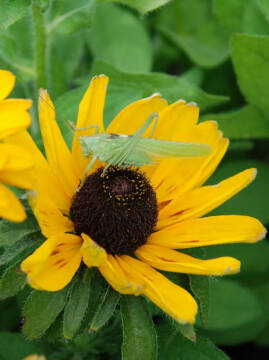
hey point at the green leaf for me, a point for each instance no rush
(22, 248)
(138, 330)
(200, 286)
(113, 31)
(208, 47)
(11, 232)
(77, 304)
(40, 311)
(264, 5)
(250, 55)
(12, 11)
(241, 16)
(187, 330)
(249, 201)
(235, 314)
(67, 16)
(105, 310)
(173, 346)
(12, 281)
(246, 123)
(143, 6)
(14, 347)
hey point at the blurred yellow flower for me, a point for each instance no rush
(16, 164)
(130, 221)
(34, 357)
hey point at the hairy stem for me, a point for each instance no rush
(39, 45)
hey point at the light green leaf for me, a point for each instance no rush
(115, 33)
(235, 313)
(12, 281)
(200, 287)
(250, 55)
(208, 47)
(173, 346)
(264, 5)
(143, 6)
(246, 123)
(138, 330)
(14, 347)
(12, 11)
(250, 201)
(77, 304)
(40, 311)
(105, 310)
(67, 16)
(187, 330)
(241, 16)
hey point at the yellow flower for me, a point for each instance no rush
(15, 163)
(111, 222)
(34, 357)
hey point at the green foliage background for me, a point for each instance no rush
(213, 52)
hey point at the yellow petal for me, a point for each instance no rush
(171, 298)
(49, 217)
(118, 279)
(171, 260)
(52, 266)
(133, 116)
(92, 253)
(200, 201)
(90, 113)
(210, 230)
(174, 177)
(176, 121)
(46, 181)
(7, 82)
(17, 166)
(14, 116)
(58, 154)
(10, 207)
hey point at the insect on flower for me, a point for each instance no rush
(123, 150)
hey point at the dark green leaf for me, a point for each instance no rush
(11, 11)
(40, 311)
(12, 232)
(77, 304)
(113, 30)
(200, 286)
(246, 123)
(105, 310)
(187, 330)
(139, 335)
(12, 281)
(250, 201)
(208, 47)
(173, 346)
(250, 55)
(142, 6)
(14, 347)
(22, 248)
(235, 313)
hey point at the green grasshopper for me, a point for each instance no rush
(134, 150)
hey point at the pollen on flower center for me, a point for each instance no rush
(117, 210)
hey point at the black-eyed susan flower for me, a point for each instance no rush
(130, 221)
(16, 163)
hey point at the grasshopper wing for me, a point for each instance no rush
(164, 148)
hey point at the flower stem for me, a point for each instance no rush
(39, 45)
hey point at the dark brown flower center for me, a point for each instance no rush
(117, 210)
